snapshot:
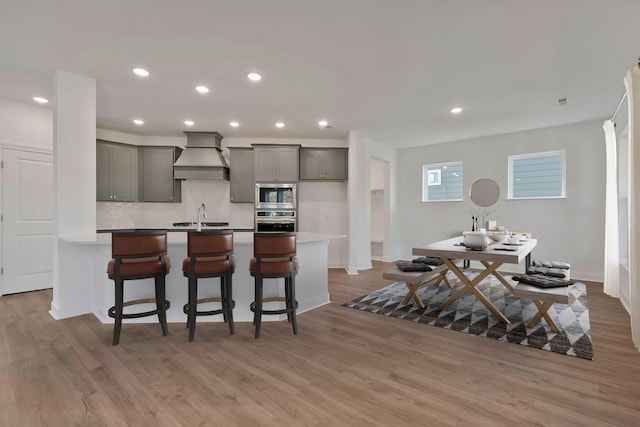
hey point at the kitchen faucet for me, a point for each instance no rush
(202, 212)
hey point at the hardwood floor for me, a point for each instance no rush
(345, 367)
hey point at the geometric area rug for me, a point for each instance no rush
(470, 316)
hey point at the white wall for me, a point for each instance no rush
(26, 125)
(570, 229)
(362, 150)
(74, 136)
(322, 208)
(377, 183)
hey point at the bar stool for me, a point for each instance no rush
(210, 255)
(274, 257)
(138, 255)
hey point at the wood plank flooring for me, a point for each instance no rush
(345, 368)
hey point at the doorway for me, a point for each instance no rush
(379, 187)
(27, 221)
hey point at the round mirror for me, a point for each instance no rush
(484, 192)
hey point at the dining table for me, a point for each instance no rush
(492, 257)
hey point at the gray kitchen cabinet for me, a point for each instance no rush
(241, 175)
(326, 164)
(155, 174)
(276, 162)
(116, 172)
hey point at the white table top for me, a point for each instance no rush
(452, 249)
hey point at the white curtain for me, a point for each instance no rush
(611, 239)
(632, 84)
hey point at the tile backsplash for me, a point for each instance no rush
(213, 193)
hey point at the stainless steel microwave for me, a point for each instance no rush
(276, 195)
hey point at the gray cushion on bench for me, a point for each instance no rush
(429, 260)
(551, 264)
(411, 266)
(554, 272)
(542, 281)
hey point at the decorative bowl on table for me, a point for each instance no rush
(499, 236)
(476, 240)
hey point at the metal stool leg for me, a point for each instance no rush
(117, 325)
(160, 304)
(193, 306)
(228, 301)
(292, 302)
(258, 306)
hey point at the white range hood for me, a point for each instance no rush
(202, 158)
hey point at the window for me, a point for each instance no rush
(442, 182)
(537, 175)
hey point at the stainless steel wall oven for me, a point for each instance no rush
(276, 220)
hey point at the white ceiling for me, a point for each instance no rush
(388, 68)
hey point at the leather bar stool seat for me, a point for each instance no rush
(138, 255)
(209, 265)
(135, 267)
(274, 257)
(273, 266)
(210, 254)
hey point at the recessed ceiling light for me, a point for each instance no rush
(323, 123)
(189, 122)
(279, 125)
(141, 72)
(202, 89)
(234, 124)
(456, 110)
(40, 99)
(138, 122)
(254, 77)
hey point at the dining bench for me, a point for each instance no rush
(415, 280)
(543, 298)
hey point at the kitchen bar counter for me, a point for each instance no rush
(174, 229)
(83, 287)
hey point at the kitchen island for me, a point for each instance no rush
(83, 286)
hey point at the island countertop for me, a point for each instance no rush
(239, 237)
(172, 229)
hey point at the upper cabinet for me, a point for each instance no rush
(324, 164)
(276, 162)
(156, 174)
(241, 175)
(116, 172)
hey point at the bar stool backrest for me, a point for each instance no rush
(139, 244)
(276, 245)
(210, 243)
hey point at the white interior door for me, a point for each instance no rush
(27, 221)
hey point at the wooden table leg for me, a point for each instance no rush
(543, 308)
(413, 287)
(470, 286)
(443, 276)
(499, 276)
